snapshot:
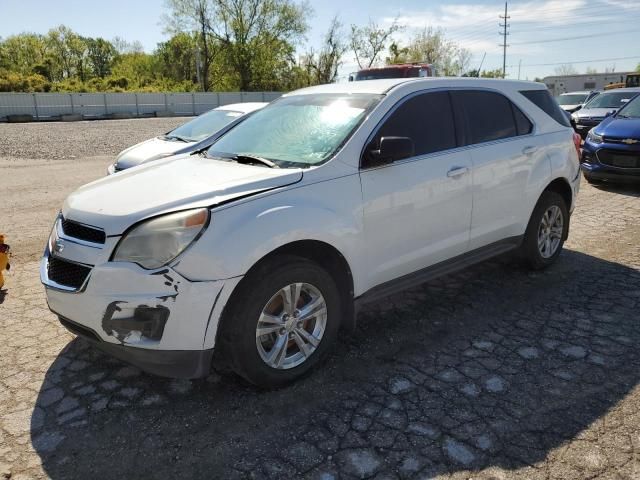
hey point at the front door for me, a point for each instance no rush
(417, 211)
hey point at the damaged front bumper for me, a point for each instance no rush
(157, 320)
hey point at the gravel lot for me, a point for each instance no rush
(491, 373)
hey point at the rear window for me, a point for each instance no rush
(488, 115)
(543, 100)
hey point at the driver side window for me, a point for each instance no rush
(426, 118)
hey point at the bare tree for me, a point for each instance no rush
(195, 16)
(462, 61)
(369, 41)
(323, 67)
(566, 69)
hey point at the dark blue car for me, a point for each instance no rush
(611, 151)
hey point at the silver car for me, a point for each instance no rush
(600, 107)
(196, 134)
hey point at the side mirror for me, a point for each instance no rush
(609, 113)
(392, 149)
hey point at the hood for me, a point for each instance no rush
(118, 201)
(571, 108)
(620, 128)
(594, 112)
(149, 150)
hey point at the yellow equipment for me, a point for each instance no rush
(4, 259)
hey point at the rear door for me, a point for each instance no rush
(504, 154)
(417, 211)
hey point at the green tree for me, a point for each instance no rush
(68, 51)
(177, 57)
(101, 54)
(255, 38)
(196, 17)
(19, 53)
(396, 54)
(497, 73)
(431, 46)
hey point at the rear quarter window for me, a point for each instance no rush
(543, 100)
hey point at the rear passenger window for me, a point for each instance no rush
(427, 119)
(543, 100)
(487, 116)
(522, 122)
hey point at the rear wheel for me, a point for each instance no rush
(547, 229)
(282, 321)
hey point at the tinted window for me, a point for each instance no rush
(487, 115)
(544, 101)
(427, 119)
(523, 124)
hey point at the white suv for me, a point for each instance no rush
(330, 197)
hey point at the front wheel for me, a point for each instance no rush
(282, 321)
(547, 229)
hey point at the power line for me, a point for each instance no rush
(577, 61)
(551, 40)
(504, 25)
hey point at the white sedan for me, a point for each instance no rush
(196, 134)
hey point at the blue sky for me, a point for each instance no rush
(608, 28)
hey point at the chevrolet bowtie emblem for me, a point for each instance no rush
(58, 247)
(630, 141)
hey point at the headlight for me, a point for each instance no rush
(574, 117)
(593, 137)
(156, 242)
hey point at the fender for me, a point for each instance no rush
(248, 231)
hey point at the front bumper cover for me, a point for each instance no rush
(166, 363)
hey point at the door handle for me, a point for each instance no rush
(457, 171)
(530, 150)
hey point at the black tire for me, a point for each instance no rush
(530, 251)
(237, 338)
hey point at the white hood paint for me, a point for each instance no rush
(149, 150)
(116, 202)
(594, 112)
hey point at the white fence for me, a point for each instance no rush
(49, 106)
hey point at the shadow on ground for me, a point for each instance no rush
(491, 367)
(631, 189)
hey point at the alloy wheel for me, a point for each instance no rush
(291, 326)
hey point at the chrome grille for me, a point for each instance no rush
(66, 273)
(83, 232)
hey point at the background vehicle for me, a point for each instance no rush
(611, 151)
(328, 198)
(599, 107)
(574, 101)
(194, 135)
(632, 80)
(403, 70)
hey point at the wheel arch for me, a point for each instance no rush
(562, 187)
(322, 253)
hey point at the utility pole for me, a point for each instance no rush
(504, 34)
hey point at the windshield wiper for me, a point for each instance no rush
(248, 159)
(176, 137)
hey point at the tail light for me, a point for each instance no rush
(577, 141)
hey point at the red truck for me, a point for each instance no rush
(401, 70)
